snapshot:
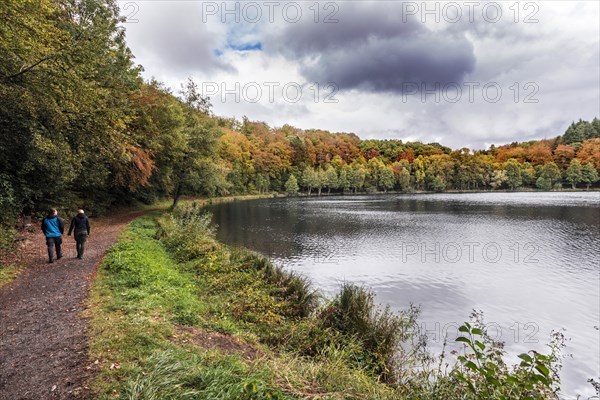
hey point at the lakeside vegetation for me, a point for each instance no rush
(175, 314)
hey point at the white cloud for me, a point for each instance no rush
(560, 54)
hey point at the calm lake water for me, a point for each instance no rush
(529, 261)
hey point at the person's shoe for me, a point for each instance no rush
(50, 261)
(59, 257)
(80, 257)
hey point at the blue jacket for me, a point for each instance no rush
(53, 226)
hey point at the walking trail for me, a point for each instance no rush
(43, 338)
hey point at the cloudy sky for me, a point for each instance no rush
(463, 73)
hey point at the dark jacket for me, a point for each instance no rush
(53, 226)
(81, 224)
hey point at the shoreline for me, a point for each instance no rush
(169, 293)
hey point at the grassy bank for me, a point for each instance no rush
(177, 315)
(153, 314)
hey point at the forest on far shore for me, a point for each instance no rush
(82, 128)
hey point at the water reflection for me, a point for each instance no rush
(529, 260)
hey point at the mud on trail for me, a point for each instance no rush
(43, 340)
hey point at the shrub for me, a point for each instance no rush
(479, 371)
(294, 288)
(8, 235)
(483, 372)
(188, 233)
(380, 331)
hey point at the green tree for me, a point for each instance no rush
(404, 179)
(543, 183)
(66, 76)
(291, 186)
(589, 175)
(359, 176)
(513, 172)
(330, 179)
(498, 179)
(438, 184)
(387, 179)
(375, 168)
(551, 173)
(345, 178)
(262, 183)
(194, 170)
(573, 174)
(310, 179)
(320, 181)
(581, 131)
(528, 174)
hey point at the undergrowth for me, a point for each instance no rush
(169, 271)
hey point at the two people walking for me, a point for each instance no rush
(54, 227)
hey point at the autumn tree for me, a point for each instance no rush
(589, 152)
(563, 154)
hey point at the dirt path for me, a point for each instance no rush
(43, 342)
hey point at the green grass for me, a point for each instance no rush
(168, 283)
(10, 264)
(144, 293)
(8, 273)
(140, 297)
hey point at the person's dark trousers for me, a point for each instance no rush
(53, 242)
(80, 239)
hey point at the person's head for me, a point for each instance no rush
(80, 211)
(52, 212)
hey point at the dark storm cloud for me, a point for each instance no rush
(372, 48)
(395, 65)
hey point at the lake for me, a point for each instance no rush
(529, 261)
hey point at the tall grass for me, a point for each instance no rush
(189, 235)
(291, 286)
(353, 312)
(172, 272)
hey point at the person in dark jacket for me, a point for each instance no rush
(81, 225)
(53, 227)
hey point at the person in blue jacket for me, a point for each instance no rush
(53, 227)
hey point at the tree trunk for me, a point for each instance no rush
(176, 197)
(319, 191)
